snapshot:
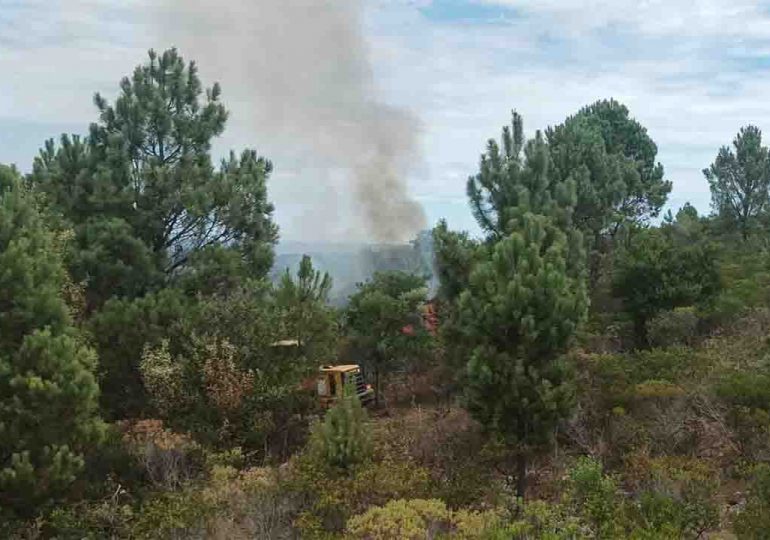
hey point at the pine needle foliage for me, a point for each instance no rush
(343, 439)
(48, 392)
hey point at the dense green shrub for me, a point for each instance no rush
(232, 504)
(613, 379)
(384, 321)
(750, 390)
(657, 271)
(675, 327)
(748, 397)
(121, 331)
(676, 495)
(331, 496)
(753, 523)
(110, 517)
(594, 496)
(538, 520)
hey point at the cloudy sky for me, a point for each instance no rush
(691, 71)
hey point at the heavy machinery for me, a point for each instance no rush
(333, 379)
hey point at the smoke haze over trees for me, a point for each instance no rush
(302, 68)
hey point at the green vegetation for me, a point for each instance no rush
(154, 383)
(656, 271)
(740, 180)
(343, 438)
(48, 392)
(383, 319)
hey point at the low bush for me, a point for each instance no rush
(230, 504)
(451, 445)
(168, 459)
(109, 518)
(753, 523)
(675, 327)
(748, 390)
(344, 437)
(418, 519)
(748, 398)
(330, 495)
(538, 520)
(594, 495)
(677, 495)
(614, 379)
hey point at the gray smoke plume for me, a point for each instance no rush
(301, 72)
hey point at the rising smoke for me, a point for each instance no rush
(301, 72)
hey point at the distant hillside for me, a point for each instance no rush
(349, 264)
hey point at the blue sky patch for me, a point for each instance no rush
(466, 11)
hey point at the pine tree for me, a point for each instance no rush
(304, 313)
(610, 159)
(514, 178)
(518, 315)
(344, 438)
(377, 316)
(664, 268)
(48, 393)
(455, 254)
(523, 292)
(143, 196)
(740, 180)
(150, 211)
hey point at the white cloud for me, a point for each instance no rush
(745, 18)
(687, 70)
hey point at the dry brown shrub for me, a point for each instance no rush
(226, 385)
(429, 387)
(463, 466)
(252, 503)
(168, 458)
(753, 323)
(424, 434)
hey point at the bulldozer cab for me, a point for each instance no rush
(333, 379)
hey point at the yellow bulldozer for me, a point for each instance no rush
(333, 379)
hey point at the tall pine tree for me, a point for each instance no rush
(524, 294)
(519, 313)
(141, 191)
(611, 160)
(151, 212)
(304, 313)
(516, 177)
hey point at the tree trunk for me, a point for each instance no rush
(595, 255)
(377, 385)
(640, 332)
(521, 474)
